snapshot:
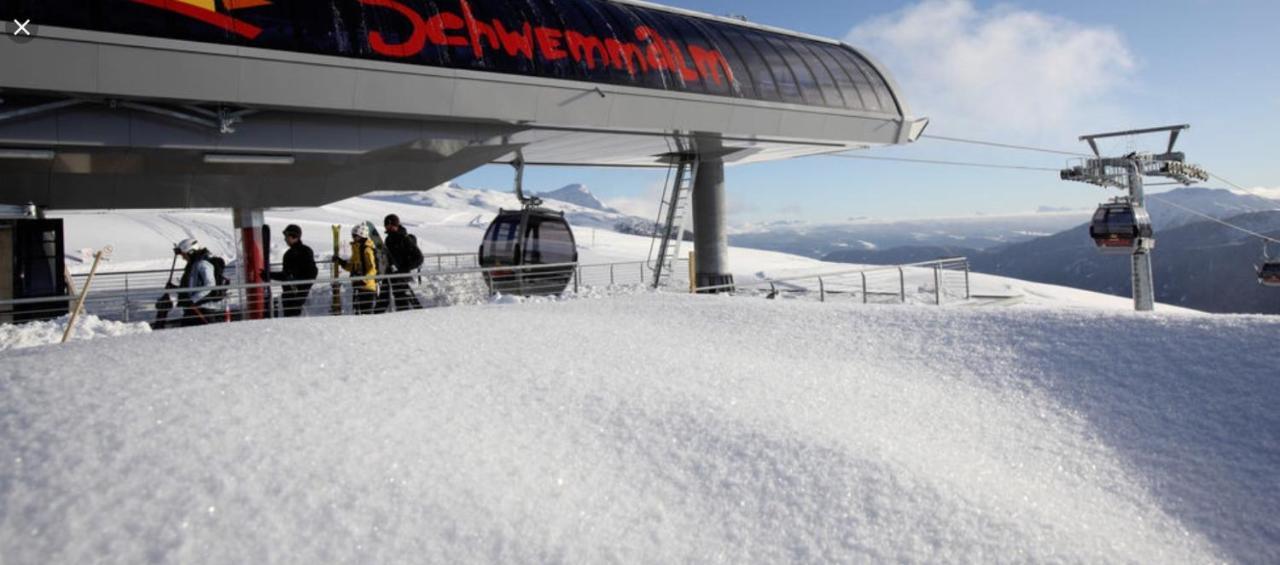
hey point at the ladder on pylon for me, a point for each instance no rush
(669, 228)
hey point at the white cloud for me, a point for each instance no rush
(1272, 193)
(645, 205)
(999, 69)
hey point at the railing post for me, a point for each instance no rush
(937, 285)
(439, 263)
(864, 287)
(577, 277)
(693, 272)
(902, 284)
(126, 298)
(967, 293)
(611, 274)
(822, 291)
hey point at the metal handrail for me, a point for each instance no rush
(427, 257)
(151, 291)
(833, 274)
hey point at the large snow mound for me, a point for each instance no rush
(31, 334)
(650, 428)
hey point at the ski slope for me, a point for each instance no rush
(652, 428)
(453, 219)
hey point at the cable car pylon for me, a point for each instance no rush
(1123, 224)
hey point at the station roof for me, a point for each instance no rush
(622, 43)
(262, 103)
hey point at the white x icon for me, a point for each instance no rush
(22, 28)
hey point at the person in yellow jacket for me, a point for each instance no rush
(363, 263)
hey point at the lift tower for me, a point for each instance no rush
(1127, 172)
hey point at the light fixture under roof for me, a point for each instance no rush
(36, 154)
(247, 159)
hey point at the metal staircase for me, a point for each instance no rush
(669, 227)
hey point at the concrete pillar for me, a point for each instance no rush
(710, 235)
(249, 222)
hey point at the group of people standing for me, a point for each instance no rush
(399, 254)
(402, 256)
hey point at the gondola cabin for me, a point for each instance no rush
(1120, 228)
(1269, 274)
(538, 240)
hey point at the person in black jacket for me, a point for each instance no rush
(299, 265)
(405, 257)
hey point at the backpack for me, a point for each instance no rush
(219, 268)
(414, 254)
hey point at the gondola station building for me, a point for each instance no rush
(248, 105)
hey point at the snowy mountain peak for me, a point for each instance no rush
(1216, 202)
(577, 194)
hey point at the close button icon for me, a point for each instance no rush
(21, 30)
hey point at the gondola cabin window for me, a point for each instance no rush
(500, 242)
(550, 243)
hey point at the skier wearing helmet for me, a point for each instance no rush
(204, 306)
(363, 263)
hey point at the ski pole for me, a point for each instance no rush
(71, 323)
(172, 266)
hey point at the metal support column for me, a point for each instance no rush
(1143, 284)
(249, 222)
(1143, 281)
(710, 237)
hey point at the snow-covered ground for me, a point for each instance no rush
(640, 427)
(651, 428)
(32, 334)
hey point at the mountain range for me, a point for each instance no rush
(866, 235)
(1197, 263)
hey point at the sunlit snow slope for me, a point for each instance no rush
(650, 428)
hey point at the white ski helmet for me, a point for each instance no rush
(188, 245)
(360, 230)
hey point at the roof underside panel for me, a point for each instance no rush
(593, 41)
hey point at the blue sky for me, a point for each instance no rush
(1038, 73)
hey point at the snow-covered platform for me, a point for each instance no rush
(625, 430)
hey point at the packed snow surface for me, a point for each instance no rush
(31, 334)
(651, 428)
